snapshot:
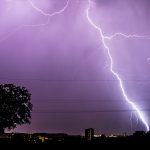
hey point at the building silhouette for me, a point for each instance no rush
(89, 134)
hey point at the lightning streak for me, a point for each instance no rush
(126, 36)
(48, 14)
(116, 75)
(131, 118)
(36, 25)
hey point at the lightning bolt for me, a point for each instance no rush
(47, 14)
(115, 74)
(36, 25)
(131, 118)
(137, 119)
(126, 36)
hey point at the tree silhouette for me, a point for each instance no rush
(15, 106)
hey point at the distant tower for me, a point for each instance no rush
(89, 134)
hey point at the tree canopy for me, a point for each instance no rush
(15, 106)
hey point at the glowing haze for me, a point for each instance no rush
(85, 62)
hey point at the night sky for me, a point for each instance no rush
(66, 69)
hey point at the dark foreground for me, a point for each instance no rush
(39, 141)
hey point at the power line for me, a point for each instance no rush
(85, 111)
(77, 80)
(95, 101)
(87, 100)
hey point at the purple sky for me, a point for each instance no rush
(65, 67)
